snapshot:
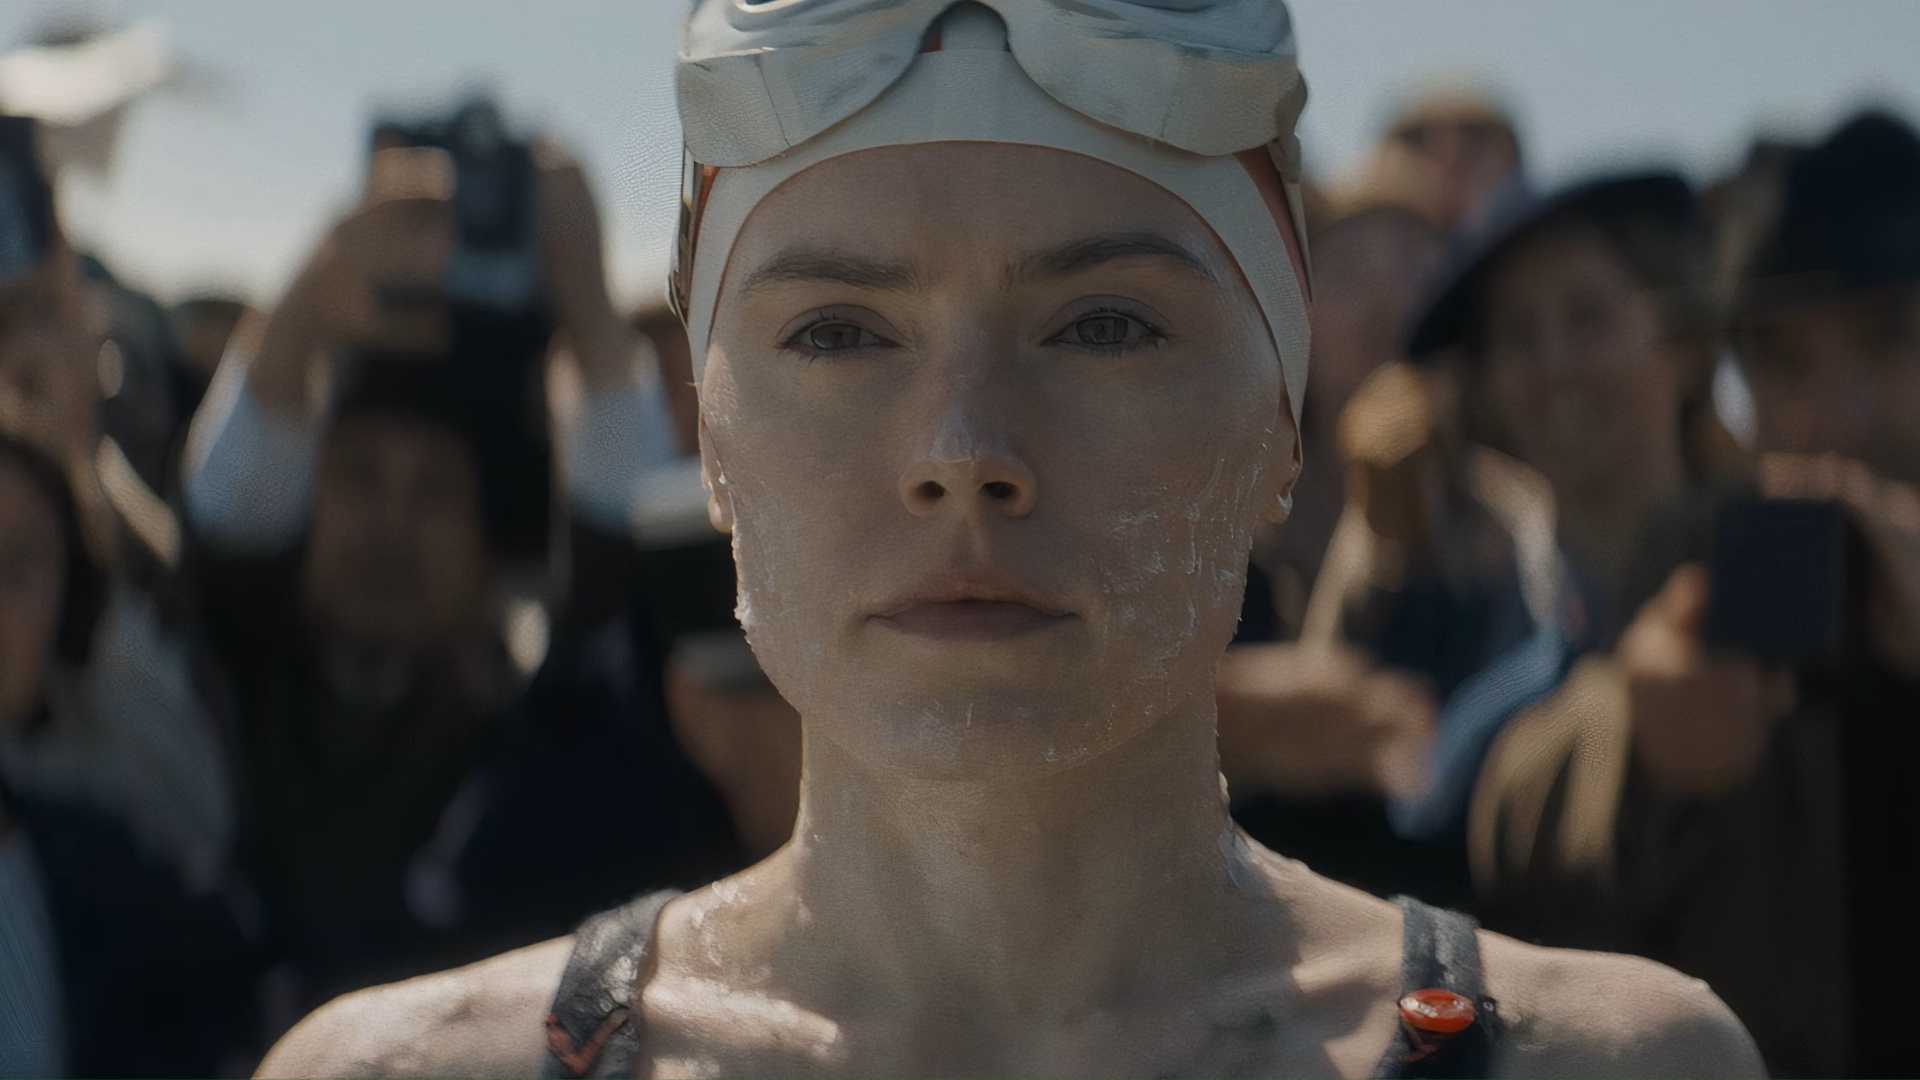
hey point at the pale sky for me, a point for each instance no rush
(225, 184)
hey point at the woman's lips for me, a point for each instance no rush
(971, 620)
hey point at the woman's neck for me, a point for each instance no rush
(1095, 885)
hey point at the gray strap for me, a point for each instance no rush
(1440, 950)
(590, 1030)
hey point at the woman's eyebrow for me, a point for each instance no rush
(1081, 255)
(834, 267)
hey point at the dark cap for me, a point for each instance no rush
(1849, 219)
(1451, 317)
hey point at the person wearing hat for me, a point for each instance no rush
(998, 313)
(1691, 791)
(415, 728)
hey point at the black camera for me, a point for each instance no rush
(499, 320)
(496, 258)
(1785, 583)
(26, 199)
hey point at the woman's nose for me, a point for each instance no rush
(965, 476)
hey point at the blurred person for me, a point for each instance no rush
(146, 749)
(735, 727)
(1702, 786)
(1452, 153)
(423, 747)
(199, 328)
(134, 370)
(1371, 266)
(1586, 334)
(920, 306)
(662, 327)
(107, 968)
(78, 81)
(1445, 602)
(1314, 731)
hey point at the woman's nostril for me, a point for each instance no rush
(930, 491)
(998, 490)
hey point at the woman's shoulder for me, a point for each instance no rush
(1566, 1012)
(485, 1019)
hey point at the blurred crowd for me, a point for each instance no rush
(383, 629)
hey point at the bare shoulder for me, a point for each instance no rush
(485, 1019)
(1571, 1013)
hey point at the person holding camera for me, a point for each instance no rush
(1725, 788)
(423, 720)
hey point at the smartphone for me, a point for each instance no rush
(26, 199)
(1784, 583)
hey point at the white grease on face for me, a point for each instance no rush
(1142, 622)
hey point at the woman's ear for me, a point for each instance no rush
(1286, 463)
(719, 499)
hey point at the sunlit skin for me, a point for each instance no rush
(991, 508)
(33, 568)
(397, 559)
(1584, 383)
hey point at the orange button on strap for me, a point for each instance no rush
(1437, 1012)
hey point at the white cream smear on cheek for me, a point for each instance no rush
(1201, 534)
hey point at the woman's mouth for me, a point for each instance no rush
(974, 606)
(970, 620)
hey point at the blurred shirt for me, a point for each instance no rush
(32, 1030)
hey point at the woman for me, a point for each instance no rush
(993, 395)
(1588, 333)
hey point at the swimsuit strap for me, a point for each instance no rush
(1439, 979)
(590, 1029)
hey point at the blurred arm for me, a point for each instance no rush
(249, 468)
(622, 431)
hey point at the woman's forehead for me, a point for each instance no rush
(907, 211)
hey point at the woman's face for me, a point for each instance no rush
(33, 572)
(1577, 368)
(992, 425)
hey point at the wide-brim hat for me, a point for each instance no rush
(1848, 223)
(1451, 317)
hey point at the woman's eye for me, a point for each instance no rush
(835, 337)
(1108, 331)
(1103, 329)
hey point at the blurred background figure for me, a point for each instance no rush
(733, 724)
(107, 966)
(200, 327)
(443, 679)
(139, 742)
(1733, 769)
(1452, 155)
(1392, 582)
(389, 594)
